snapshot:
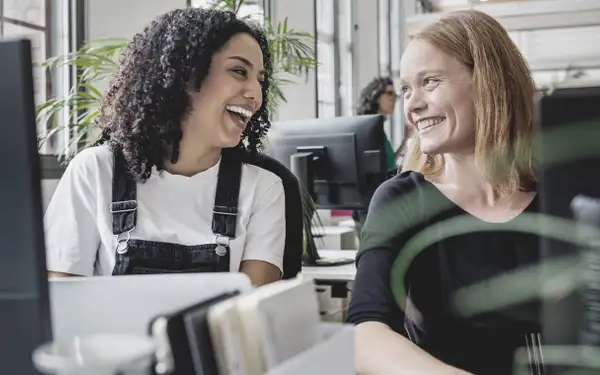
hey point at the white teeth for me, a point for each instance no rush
(240, 110)
(424, 124)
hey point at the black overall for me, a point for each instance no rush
(147, 257)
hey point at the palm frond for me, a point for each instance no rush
(310, 220)
(93, 62)
(230, 5)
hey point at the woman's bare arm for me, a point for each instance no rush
(381, 351)
(259, 272)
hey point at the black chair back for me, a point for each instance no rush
(292, 257)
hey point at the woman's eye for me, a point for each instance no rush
(241, 72)
(431, 82)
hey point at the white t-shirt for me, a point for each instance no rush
(171, 208)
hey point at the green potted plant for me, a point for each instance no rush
(75, 113)
(292, 51)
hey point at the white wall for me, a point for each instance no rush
(124, 18)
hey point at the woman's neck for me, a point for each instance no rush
(193, 158)
(461, 173)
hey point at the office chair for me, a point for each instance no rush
(294, 231)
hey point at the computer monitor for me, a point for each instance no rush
(24, 306)
(338, 161)
(569, 156)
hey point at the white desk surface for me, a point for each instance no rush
(346, 272)
(331, 230)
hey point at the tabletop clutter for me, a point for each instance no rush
(271, 330)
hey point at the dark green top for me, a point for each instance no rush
(390, 155)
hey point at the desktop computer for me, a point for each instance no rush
(569, 161)
(24, 306)
(338, 161)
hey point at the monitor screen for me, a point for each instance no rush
(24, 306)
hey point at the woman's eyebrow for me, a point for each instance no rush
(246, 62)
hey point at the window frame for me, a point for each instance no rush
(342, 46)
(391, 43)
(46, 29)
(327, 40)
(64, 32)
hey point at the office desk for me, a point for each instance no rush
(339, 278)
(344, 273)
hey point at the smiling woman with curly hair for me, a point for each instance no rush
(170, 186)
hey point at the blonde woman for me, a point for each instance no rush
(439, 235)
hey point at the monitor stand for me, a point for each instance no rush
(302, 165)
(314, 260)
(328, 262)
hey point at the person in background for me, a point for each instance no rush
(170, 186)
(442, 238)
(379, 97)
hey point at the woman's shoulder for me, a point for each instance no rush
(93, 155)
(397, 204)
(400, 185)
(260, 169)
(396, 211)
(258, 177)
(94, 160)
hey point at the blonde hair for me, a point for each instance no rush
(503, 95)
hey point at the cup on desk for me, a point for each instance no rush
(100, 354)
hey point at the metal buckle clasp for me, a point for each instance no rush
(222, 245)
(123, 242)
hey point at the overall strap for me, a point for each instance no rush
(124, 197)
(225, 210)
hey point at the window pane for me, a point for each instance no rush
(346, 55)
(326, 79)
(201, 3)
(396, 130)
(325, 13)
(29, 11)
(384, 37)
(38, 45)
(44, 23)
(326, 85)
(253, 9)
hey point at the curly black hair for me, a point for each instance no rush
(149, 95)
(368, 104)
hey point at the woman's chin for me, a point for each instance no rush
(231, 140)
(428, 148)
